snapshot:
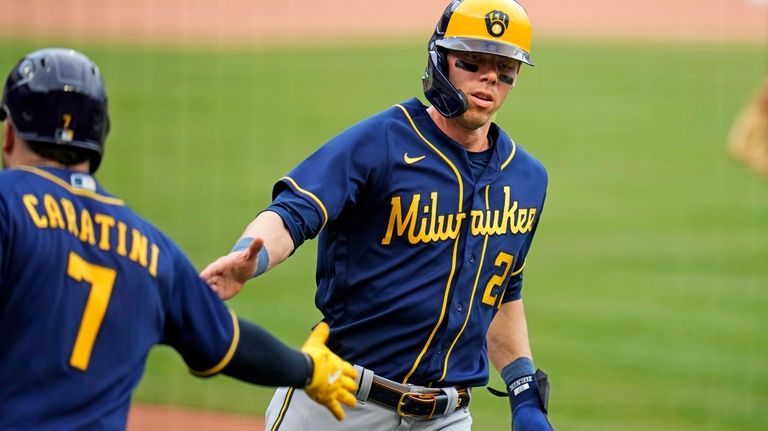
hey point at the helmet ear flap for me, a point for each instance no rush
(448, 100)
(496, 27)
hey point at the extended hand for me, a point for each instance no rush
(333, 379)
(227, 274)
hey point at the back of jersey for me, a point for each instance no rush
(81, 301)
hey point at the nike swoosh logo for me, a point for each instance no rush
(412, 160)
(333, 377)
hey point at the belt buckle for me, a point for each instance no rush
(418, 397)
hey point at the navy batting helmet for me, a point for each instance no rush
(499, 27)
(57, 96)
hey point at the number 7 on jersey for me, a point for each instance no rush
(101, 280)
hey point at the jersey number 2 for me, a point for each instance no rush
(503, 260)
(101, 280)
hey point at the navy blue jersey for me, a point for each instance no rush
(87, 287)
(415, 256)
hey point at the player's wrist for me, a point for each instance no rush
(262, 262)
(528, 393)
(520, 367)
(310, 369)
(520, 383)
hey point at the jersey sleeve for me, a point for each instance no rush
(301, 218)
(513, 291)
(198, 324)
(331, 179)
(4, 239)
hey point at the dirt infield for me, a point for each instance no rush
(247, 22)
(147, 418)
(212, 22)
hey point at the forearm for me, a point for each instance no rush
(508, 335)
(510, 352)
(264, 244)
(262, 359)
(277, 240)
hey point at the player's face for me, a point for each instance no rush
(485, 79)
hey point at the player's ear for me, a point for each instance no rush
(9, 137)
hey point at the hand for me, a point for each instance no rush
(333, 379)
(528, 412)
(530, 418)
(227, 274)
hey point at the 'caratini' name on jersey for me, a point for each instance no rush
(52, 213)
(431, 227)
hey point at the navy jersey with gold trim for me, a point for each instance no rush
(415, 255)
(87, 287)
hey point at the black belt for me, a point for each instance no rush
(424, 403)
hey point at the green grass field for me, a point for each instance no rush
(646, 289)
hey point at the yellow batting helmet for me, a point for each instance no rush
(499, 27)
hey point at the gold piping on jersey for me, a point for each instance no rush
(511, 156)
(442, 313)
(455, 245)
(230, 352)
(446, 159)
(519, 270)
(471, 298)
(74, 190)
(469, 311)
(312, 196)
(501, 295)
(283, 409)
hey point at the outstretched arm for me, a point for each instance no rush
(510, 352)
(264, 244)
(262, 359)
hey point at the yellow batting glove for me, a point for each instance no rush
(333, 379)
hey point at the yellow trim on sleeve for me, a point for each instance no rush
(228, 356)
(501, 295)
(511, 156)
(455, 245)
(312, 196)
(74, 190)
(519, 270)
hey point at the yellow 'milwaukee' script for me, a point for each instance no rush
(429, 226)
(95, 229)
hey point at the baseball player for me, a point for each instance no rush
(425, 215)
(87, 286)
(748, 140)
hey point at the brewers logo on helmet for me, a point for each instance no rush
(496, 22)
(499, 27)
